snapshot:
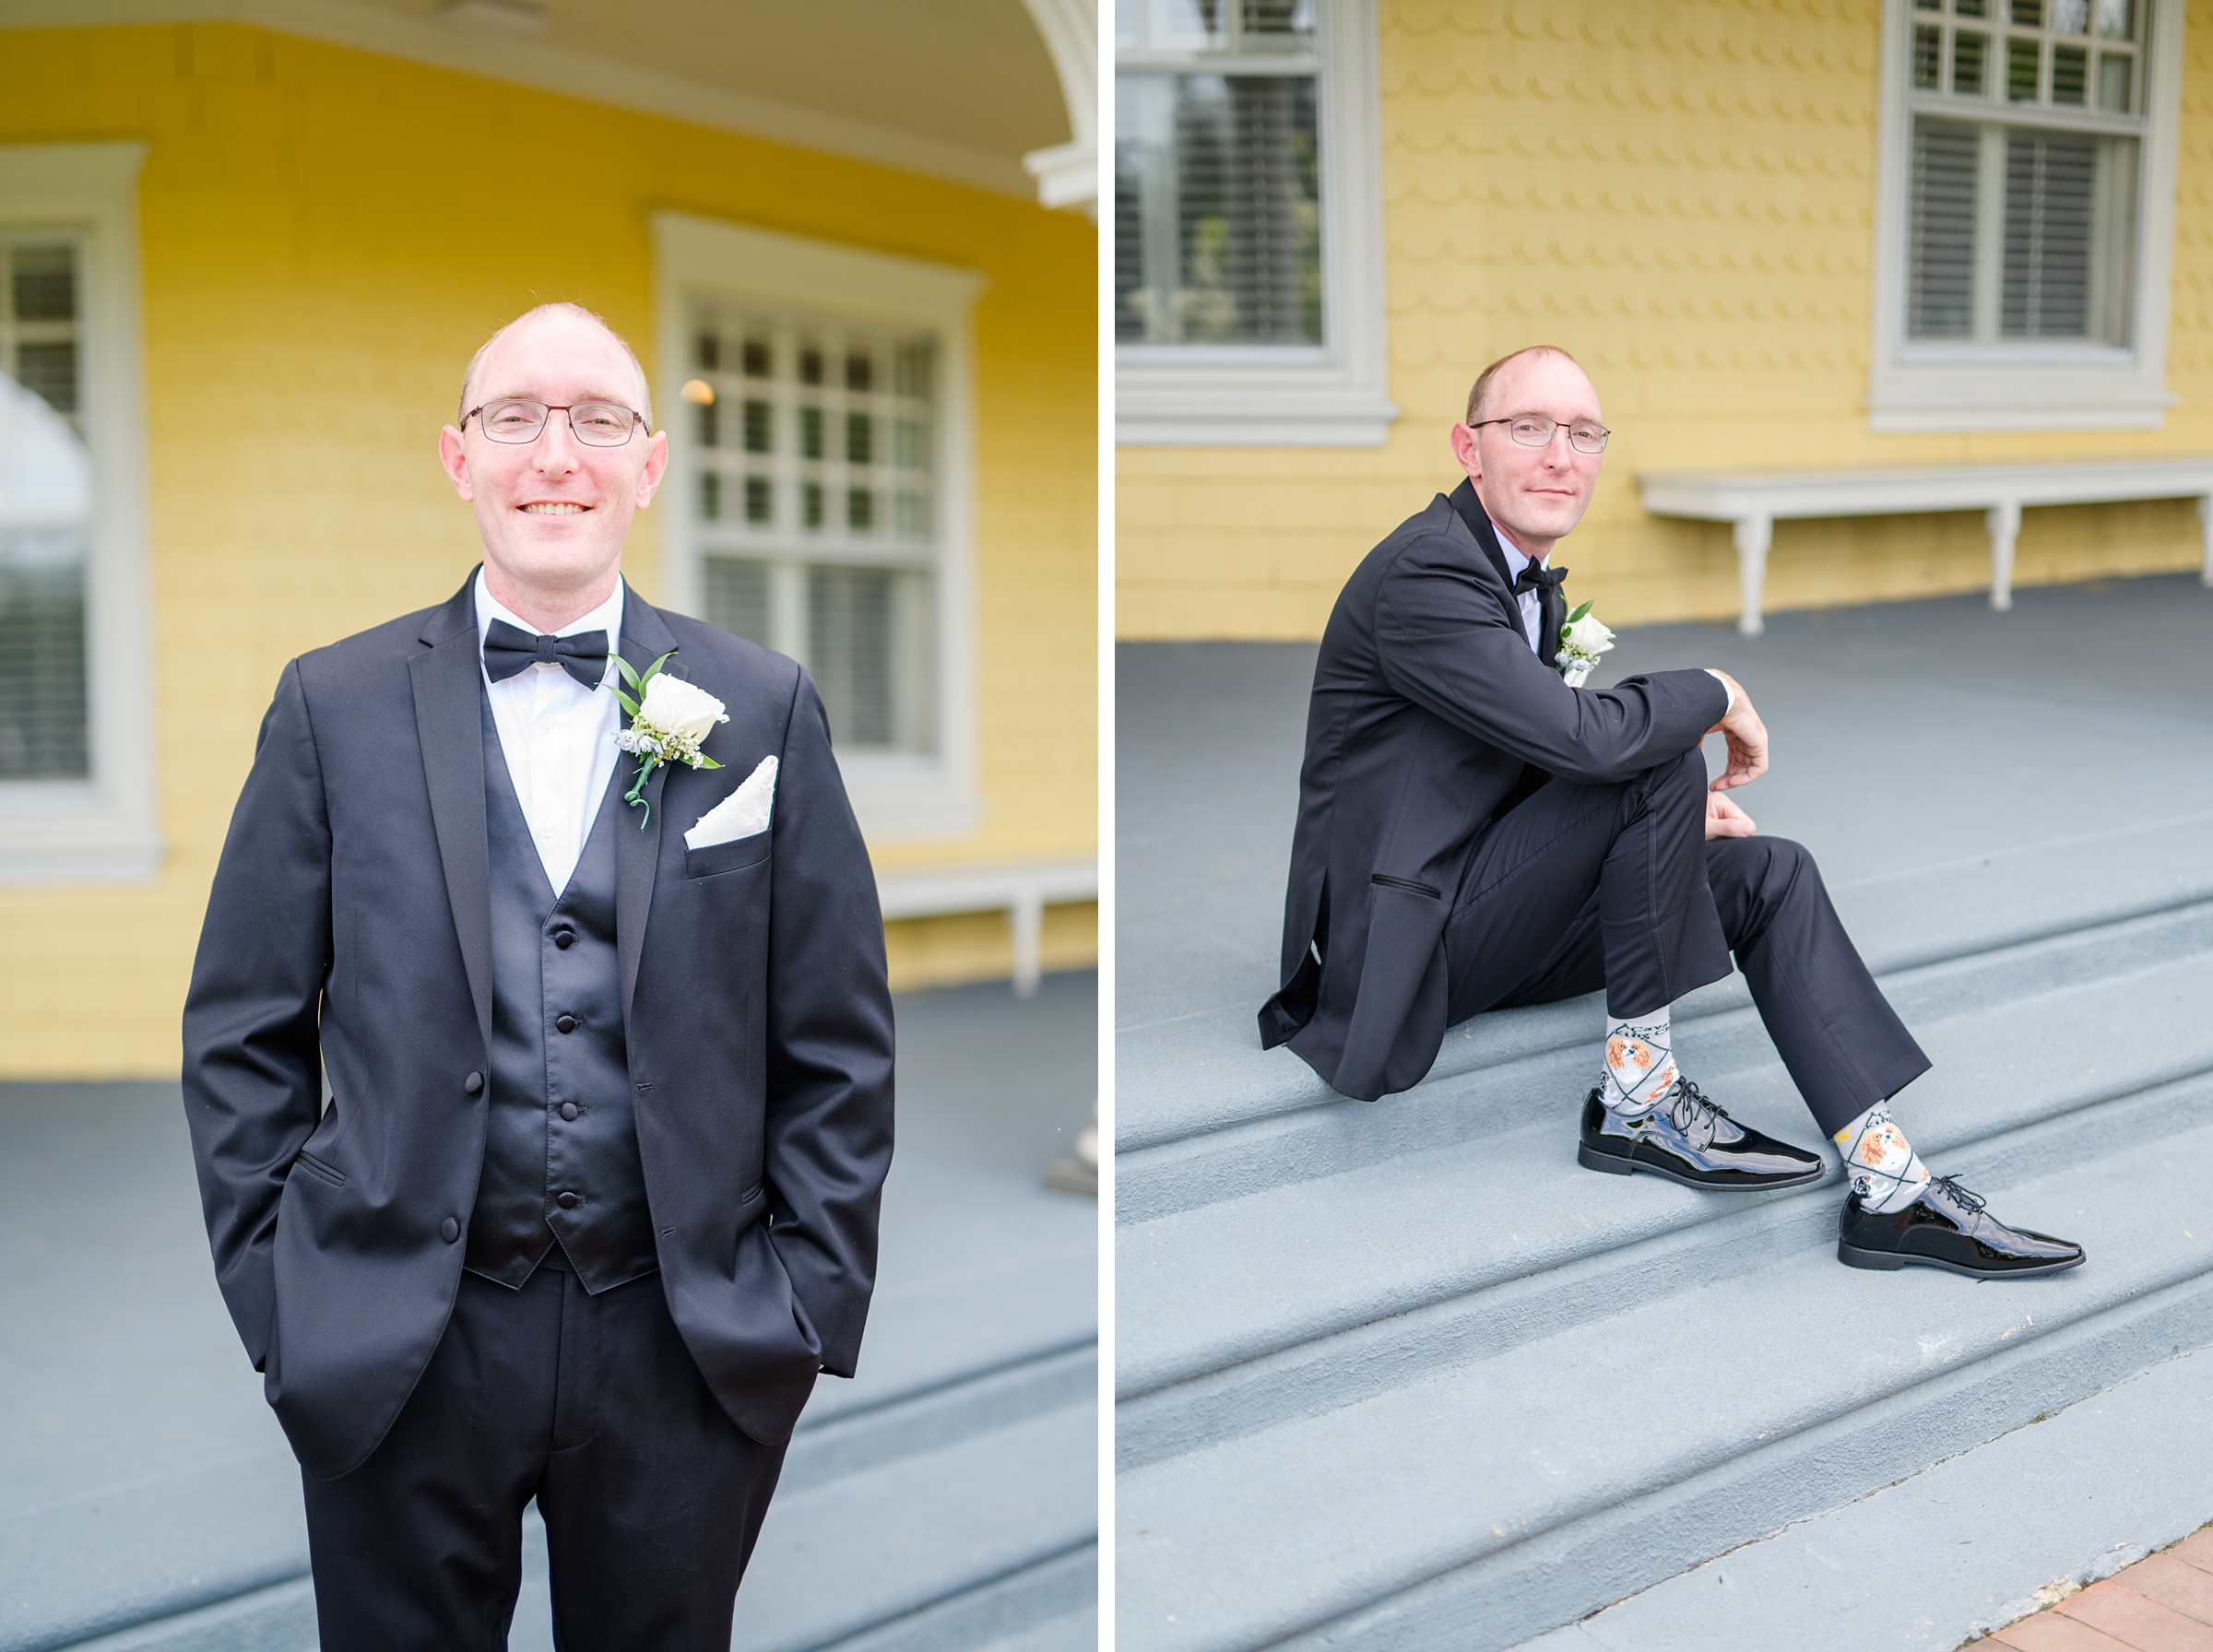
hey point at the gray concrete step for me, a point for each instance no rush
(1962, 1548)
(1477, 1505)
(1514, 1066)
(1231, 1283)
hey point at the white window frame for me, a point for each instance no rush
(897, 797)
(1264, 396)
(2028, 384)
(103, 829)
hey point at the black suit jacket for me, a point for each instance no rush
(350, 932)
(1431, 716)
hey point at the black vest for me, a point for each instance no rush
(561, 1153)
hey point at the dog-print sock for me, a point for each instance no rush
(1884, 1170)
(1640, 1063)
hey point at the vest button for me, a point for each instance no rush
(567, 1023)
(568, 1201)
(474, 1084)
(568, 1109)
(564, 938)
(449, 1230)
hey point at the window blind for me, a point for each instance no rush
(2046, 281)
(46, 517)
(1941, 283)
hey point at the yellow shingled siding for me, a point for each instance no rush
(1681, 192)
(328, 235)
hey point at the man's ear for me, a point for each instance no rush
(1465, 450)
(456, 459)
(657, 465)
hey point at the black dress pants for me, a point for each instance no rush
(1581, 887)
(652, 1498)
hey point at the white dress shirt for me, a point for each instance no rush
(558, 736)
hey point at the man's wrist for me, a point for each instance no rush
(1727, 687)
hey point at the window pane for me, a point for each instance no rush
(860, 439)
(2113, 82)
(1928, 57)
(737, 598)
(757, 360)
(2116, 19)
(710, 425)
(2070, 74)
(1969, 54)
(710, 496)
(2049, 233)
(1970, 8)
(1217, 224)
(849, 648)
(756, 427)
(2069, 16)
(2021, 70)
(760, 500)
(45, 518)
(1941, 280)
(2029, 14)
(1277, 25)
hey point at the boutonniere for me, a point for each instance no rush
(668, 717)
(1582, 639)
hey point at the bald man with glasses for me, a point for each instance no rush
(1475, 832)
(593, 1199)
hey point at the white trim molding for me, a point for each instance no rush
(2032, 385)
(103, 829)
(524, 62)
(1022, 890)
(1068, 175)
(1753, 503)
(898, 797)
(1338, 395)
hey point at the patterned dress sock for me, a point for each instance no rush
(1886, 1171)
(1640, 1063)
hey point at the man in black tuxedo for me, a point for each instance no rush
(594, 1195)
(1475, 832)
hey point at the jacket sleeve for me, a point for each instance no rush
(1445, 642)
(829, 1052)
(252, 1059)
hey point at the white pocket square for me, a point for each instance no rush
(741, 814)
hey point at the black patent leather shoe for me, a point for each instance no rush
(1688, 1139)
(1947, 1227)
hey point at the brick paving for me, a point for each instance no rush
(2163, 1604)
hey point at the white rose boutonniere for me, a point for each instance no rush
(1582, 639)
(668, 718)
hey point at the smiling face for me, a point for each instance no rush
(553, 514)
(1536, 494)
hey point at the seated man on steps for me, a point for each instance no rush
(1473, 833)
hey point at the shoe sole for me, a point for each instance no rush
(1889, 1261)
(1613, 1166)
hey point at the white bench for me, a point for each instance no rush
(1752, 501)
(1022, 890)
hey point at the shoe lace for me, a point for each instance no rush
(1972, 1202)
(1691, 1113)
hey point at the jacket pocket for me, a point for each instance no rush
(1388, 882)
(733, 856)
(329, 1172)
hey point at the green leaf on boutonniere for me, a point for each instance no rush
(1580, 609)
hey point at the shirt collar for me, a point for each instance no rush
(607, 617)
(1515, 561)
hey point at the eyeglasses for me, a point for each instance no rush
(1533, 429)
(596, 424)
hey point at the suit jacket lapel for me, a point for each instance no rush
(1469, 509)
(448, 682)
(645, 637)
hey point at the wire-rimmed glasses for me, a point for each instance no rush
(1533, 429)
(517, 419)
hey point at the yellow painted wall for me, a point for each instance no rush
(327, 236)
(1681, 192)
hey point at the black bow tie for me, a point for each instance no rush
(509, 648)
(1537, 577)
